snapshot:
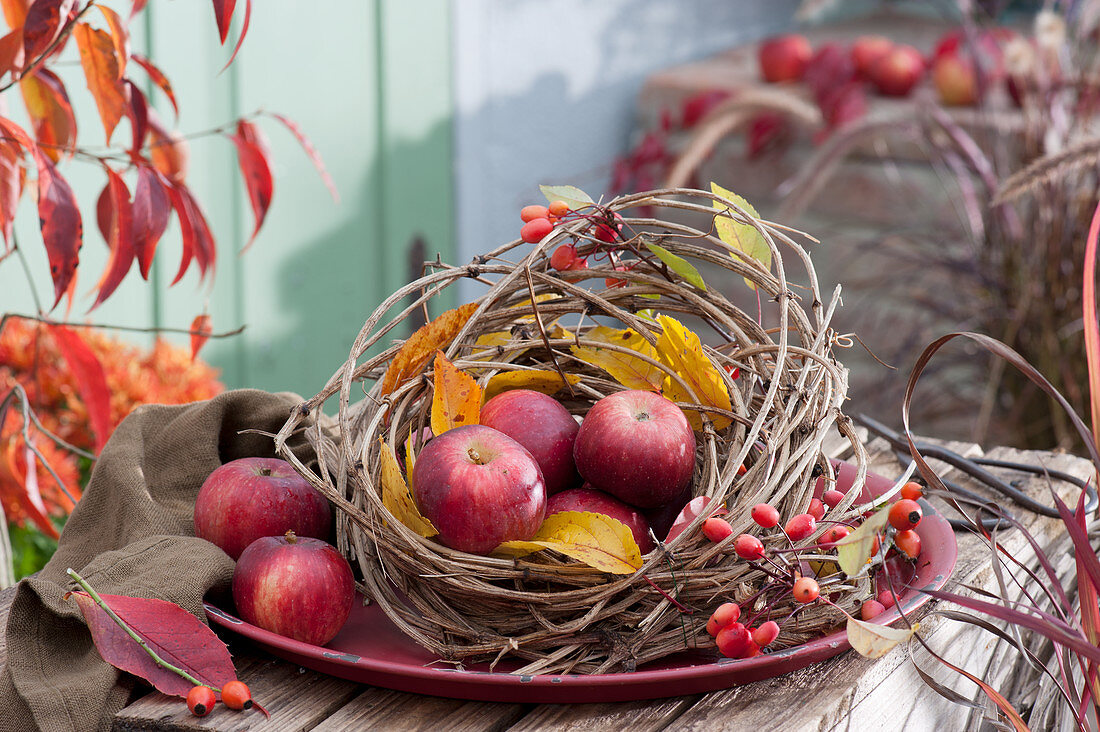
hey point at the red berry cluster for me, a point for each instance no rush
(235, 695)
(601, 240)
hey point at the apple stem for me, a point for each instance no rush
(133, 634)
(475, 456)
(291, 537)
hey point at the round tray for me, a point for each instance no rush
(371, 650)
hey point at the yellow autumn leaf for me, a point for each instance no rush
(410, 457)
(681, 350)
(855, 552)
(743, 237)
(597, 540)
(396, 496)
(429, 338)
(875, 641)
(631, 372)
(540, 380)
(457, 398)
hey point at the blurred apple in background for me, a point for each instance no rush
(784, 58)
(866, 50)
(898, 71)
(955, 80)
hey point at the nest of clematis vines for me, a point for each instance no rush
(761, 442)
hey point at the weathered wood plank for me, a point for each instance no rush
(297, 699)
(641, 716)
(397, 711)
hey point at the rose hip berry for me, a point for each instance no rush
(533, 231)
(871, 609)
(816, 509)
(832, 498)
(806, 589)
(766, 633)
(885, 598)
(833, 535)
(907, 543)
(912, 490)
(765, 515)
(558, 208)
(748, 546)
(727, 612)
(237, 695)
(735, 641)
(716, 529)
(530, 213)
(801, 526)
(200, 700)
(905, 514)
(563, 257)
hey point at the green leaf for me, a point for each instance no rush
(743, 237)
(875, 641)
(853, 553)
(648, 296)
(679, 265)
(574, 197)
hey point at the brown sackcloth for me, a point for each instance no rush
(130, 534)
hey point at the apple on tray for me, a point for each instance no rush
(896, 72)
(542, 425)
(637, 446)
(246, 499)
(784, 58)
(298, 587)
(867, 50)
(587, 498)
(479, 488)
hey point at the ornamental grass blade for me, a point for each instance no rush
(456, 400)
(680, 349)
(396, 496)
(679, 265)
(599, 541)
(422, 345)
(875, 641)
(540, 380)
(174, 634)
(1092, 326)
(855, 552)
(628, 370)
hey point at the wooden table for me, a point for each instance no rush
(846, 692)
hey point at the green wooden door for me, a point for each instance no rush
(369, 83)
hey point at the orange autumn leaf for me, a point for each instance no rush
(457, 398)
(101, 64)
(201, 328)
(396, 496)
(50, 112)
(628, 370)
(597, 540)
(681, 350)
(429, 338)
(120, 37)
(540, 380)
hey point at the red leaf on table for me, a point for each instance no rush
(91, 381)
(15, 13)
(120, 36)
(42, 25)
(174, 634)
(151, 211)
(50, 111)
(223, 13)
(201, 328)
(101, 70)
(198, 242)
(157, 77)
(116, 222)
(11, 51)
(244, 32)
(311, 151)
(168, 151)
(138, 111)
(255, 163)
(12, 176)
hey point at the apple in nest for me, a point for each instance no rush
(479, 487)
(898, 71)
(637, 446)
(298, 587)
(543, 426)
(253, 497)
(784, 58)
(587, 498)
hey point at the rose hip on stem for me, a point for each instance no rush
(765, 515)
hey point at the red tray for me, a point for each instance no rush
(371, 650)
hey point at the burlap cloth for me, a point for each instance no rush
(130, 534)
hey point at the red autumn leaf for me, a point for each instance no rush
(152, 208)
(198, 242)
(168, 151)
(115, 217)
(42, 25)
(101, 70)
(50, 111)
(201, 328)
(120, 36)
(91, 381)
(24, 473)
(255, 164)
(137, 7)
(12, 175)
(311, 151)
(157, 77)
(171, 632)
(11, 51)
(15, 13)
(244, 32)
(138, 111)
(223, 13)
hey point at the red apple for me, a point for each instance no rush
(252, 497)
(587, 498)
(866, 50)
(543, 426)
(479, 487)
(298, 587)
(661, 518)
(637, 446)
(955, 80)
(897, 72)
(784, 58)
